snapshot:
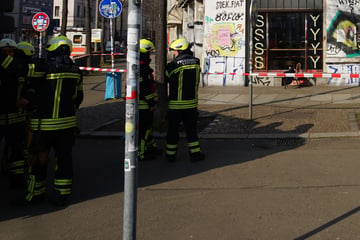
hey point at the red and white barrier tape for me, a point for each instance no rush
(97, 54)
(300, 75)
(307, 75)
(101, 69)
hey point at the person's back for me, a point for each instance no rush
(12, 116)
(53, 122)
(9, 82)
(183, 76)
(288, 80)
(147, 148)
(183, 73)
(57, 95)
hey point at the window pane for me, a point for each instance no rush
(302, 4)
(287, 4)
(263, 4)
(77, 39)
(286, 40)
(271, 3)
(318, 4)
(310, 3)
(295, 3)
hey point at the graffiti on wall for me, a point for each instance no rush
(345, 69)
(224, 42)
(343, 29)
(342, 39)
(261, 81)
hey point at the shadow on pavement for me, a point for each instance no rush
(329, 224)
(98, 165)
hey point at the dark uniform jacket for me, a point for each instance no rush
(147, 94)
(183, 76)
(58, 91)
(10, 92)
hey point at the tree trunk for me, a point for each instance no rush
(160, 61)
(64, 17)
(102, 45)
(88, 33)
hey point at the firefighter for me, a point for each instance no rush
(26, 53)
(147, 148)
(58, 93)
(53, 121)
(182, 75)
(12, 117)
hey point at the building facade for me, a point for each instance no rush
(23, 12)
(317, 36)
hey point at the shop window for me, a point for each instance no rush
(281, 39)
(286, 39)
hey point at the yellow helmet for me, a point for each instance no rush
(146, 46)
(7, 42)
(180, 44)
(55, 42)
(26, 47)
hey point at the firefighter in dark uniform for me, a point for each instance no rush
(53, 122)
(12, 117)
(183, 76)
(25, 53)
(147, 148)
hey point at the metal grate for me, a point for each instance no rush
(308, 4)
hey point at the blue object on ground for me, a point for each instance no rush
(113, 81)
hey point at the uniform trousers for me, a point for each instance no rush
(61, 141)
(15, 137)
(189, 119)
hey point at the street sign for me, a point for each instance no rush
(96, 35)
(40, 21)
(110, 8)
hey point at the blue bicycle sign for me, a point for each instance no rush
(110, 8)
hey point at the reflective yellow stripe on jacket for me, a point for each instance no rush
(5, 64)
(12, 118)
(53, 124)
(180, 103)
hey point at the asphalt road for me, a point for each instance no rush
(245, 189)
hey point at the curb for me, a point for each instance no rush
(104, 134)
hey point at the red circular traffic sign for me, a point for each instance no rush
(40, 21)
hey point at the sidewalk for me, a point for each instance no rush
(225, 112)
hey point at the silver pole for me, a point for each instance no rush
(96, 21)
(131, 120)
(250, 79)
(112, 54)
(252, 16)
(40, 44)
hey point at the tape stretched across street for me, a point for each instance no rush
(264, 74)
(101, 69)
(301, 75)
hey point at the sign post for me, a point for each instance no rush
(40, 23)
(111, 9)
(253, 18)
(131, 120)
